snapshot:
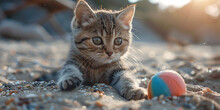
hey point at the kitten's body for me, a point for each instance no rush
(96, 73)
(100, 39)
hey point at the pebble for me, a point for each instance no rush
(99, 104)
(154, 98)
(27, 86)
(163, 102)
(84, 107)
(30, 95)
(17, 82)
(9, 101)
(76, 103)
(161, 97)
(13, 94)
(187, 99)
(7, 93)
(175, 97)
(8, 85)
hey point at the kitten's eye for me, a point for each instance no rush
(97, 40)
(118, 41)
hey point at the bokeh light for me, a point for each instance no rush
(166, 3)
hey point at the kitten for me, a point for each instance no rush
(100, 39)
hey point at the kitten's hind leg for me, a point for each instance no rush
(70, 77)
(127, 86)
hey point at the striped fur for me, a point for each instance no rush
(89, 63)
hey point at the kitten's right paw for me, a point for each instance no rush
(136, 94)
(69, 83)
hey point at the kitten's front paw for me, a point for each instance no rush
(135, 94)
(69, 82)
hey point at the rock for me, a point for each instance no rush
(2, 15)
(200, 77)
(15, 30)
(215, 73)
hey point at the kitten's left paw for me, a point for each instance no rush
(69, 83)
(136, 94)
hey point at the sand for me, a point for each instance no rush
(21, 63)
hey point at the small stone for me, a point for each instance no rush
(68, 101)
(19, 87)
(51, 84)
(3, 93)
(200, 77)
(48, 94)
(175, 97)
(200, 92)
(9, 101)
(36, 84)
(196, 98)
(9, 85)
(161, 97)
(27, 86)
(17, 82)
(77, 104)
(7, 93)
(187, 99)
(84, 107)
(154, 98)
(99, 104)
(31, 95)
(13, 91)
(207, 90)
(5, 67)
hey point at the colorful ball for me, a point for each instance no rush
(167, 83)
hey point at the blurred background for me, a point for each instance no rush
(181, 35)
(180, 22)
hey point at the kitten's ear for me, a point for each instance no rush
(84, 15)
(126, 16)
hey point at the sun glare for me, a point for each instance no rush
(213, 10)
(166, 3)
(133, 1)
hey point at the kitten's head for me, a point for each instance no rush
(100, 35)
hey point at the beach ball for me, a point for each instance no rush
(167, 83)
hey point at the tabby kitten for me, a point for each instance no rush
(100, 39)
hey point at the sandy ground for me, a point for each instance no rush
(21, 63)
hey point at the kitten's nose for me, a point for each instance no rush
(109, 53)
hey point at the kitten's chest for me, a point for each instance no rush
(93, 76)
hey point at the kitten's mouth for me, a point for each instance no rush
(110, 57)
(106, 60)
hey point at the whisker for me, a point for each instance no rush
(136, 36)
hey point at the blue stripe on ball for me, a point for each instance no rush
(159, 87)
